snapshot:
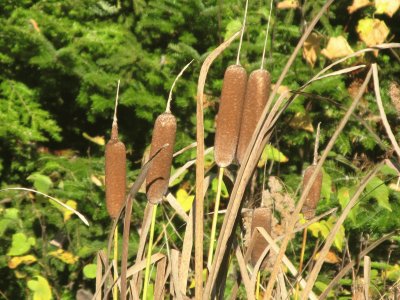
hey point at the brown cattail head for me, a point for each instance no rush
(115, 162)
(158, 176)
(229, 114)
(314, 195)
(262, 217)
(257, 94)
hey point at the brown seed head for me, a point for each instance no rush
(115, 165)
(314, 195)
(262, 217)
(229, 114)
(257, 94)
(158, 176)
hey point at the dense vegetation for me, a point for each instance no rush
(60, 62)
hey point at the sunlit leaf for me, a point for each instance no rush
(337, 47)
(326, 188)
(330, 258)
(224, 190)
(388, 7)
(357, 4)
(232, 27)
(17, 260)
(184, 199)
(20, 244)
(67, 213)
(377, 189)
(64, 256)
(41, 182)
(99, 140)
(311, 48)
(271, 153)
(90, 270)
(372, 31)
(41, 288)
(288, 4)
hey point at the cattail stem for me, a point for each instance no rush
(303, 249)
(266, 36)
(168, 108)
(115, 288)
(316, 145)
(258, 285)
(149, 249)
(215, 218)
(116, 105)
(241, 35)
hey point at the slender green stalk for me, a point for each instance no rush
(303, 249)
(215, 218)
(149, 249)
(115, 288)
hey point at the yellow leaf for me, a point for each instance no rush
(331, 258)
(67, 212)
(20, 274)
(64, 256)
(96, 180)
(388, 7)
(17, 260)
(337, 47)
(357, 4)
(372, 31)
(302, 121)
(311, 48)
(99, 140)
(184, 199)
(288, 4)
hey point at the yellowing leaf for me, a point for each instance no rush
(64, 256)
(372, 31)
(337, 47)
(301, 121)
(288, 4)
(331, 258)
(68, 213)
(388, 7)
(17, 260)
(184, 199)
(96, 180)
(41, 288)
(99, 140)
(357, 4)
(311, 48)
(271, 153)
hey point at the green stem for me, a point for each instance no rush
(215, 218)
(149, 249)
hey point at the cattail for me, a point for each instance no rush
(311, 202)
(257, 94)
(164, 133)
(229, 115)
(115, 167)
(158, 176)
(262, 217)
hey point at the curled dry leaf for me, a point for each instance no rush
(372, 31)
(388, 7)
(357, 4)
(311, 48)
(288, 4)
(331, 258)
(337, 47)
(302, 121)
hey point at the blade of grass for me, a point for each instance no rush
(159, 287)
(99, 274)
(244, 274)
(199, 201)
(175, 273)
(149, 249)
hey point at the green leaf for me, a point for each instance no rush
(378, 190)
(90, 271)
(232, 27)
(20, 244)
(326, 185)
(41, 182)
(41, 288)
(271, 153)
(11, 213)
(224, 190)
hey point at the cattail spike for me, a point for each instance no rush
(311, 202)
(241, 35)
(262, 217)
(266, 36)
(168, 108)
